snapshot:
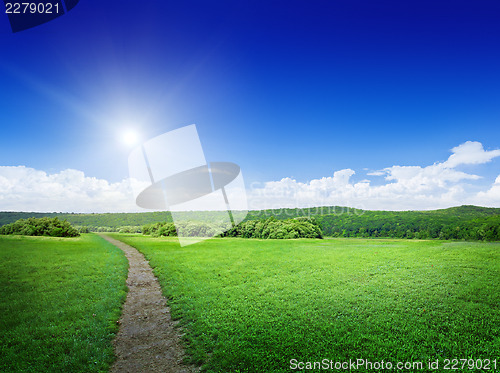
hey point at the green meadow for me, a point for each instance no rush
(60, 300)
(250, 305)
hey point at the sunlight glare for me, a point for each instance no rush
(130, 137)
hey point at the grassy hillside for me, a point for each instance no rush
(256, 305)
(61, 298)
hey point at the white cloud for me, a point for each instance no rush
(26, 189)
(489, 197)
(407, 187)
(470, 152)
(376, 173)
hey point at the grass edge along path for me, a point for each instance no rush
(61, 299)
(148, 339)
(254, 305)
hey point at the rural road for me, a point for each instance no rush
(147, 340)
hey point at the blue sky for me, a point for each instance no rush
(289, 90)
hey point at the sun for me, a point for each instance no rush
(130, 137)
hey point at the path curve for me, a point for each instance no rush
(147, 340)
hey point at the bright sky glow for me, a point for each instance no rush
(130, 137)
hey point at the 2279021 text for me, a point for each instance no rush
(38, 8)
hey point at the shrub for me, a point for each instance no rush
(271, 228)
(130, 229)
(40, 227)
(160, 229)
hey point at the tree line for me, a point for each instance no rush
(464, 222)
(269, 228)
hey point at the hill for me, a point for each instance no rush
(462, 222)
(111, 220)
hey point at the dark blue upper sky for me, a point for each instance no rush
(283, 88)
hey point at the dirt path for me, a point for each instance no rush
(147, 340)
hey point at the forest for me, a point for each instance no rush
(462, 223)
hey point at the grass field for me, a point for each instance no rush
(60, 300)
(254, 305)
